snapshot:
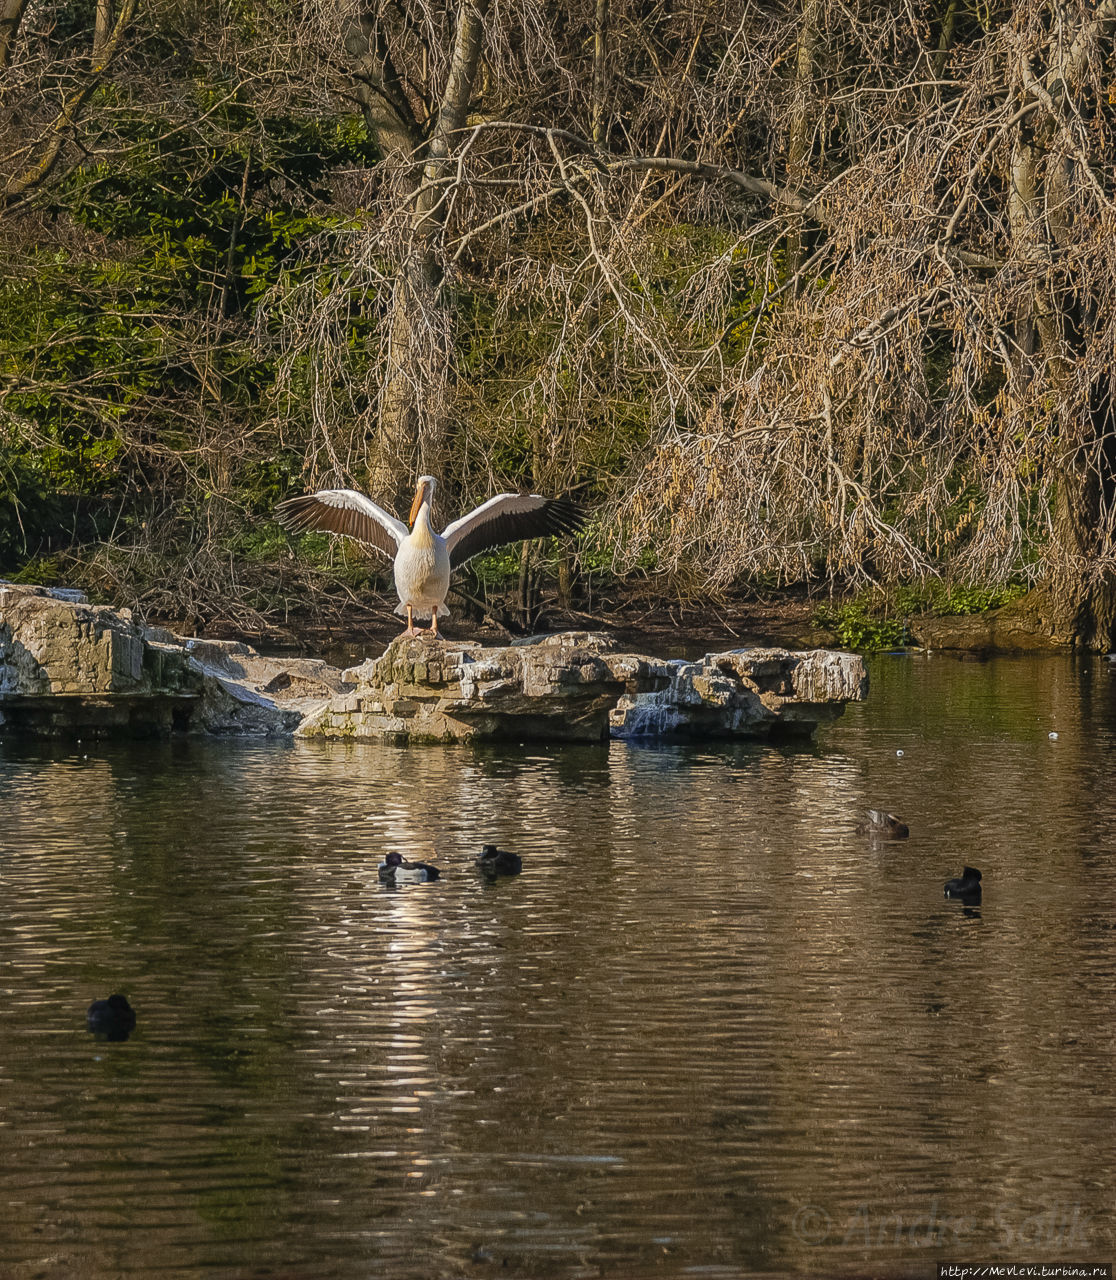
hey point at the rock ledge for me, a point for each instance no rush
(69, 667)
(580, 687)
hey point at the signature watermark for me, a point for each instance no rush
(1059, 1227)
(1025, 1271)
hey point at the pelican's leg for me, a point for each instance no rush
(410, 623)
(433, 619)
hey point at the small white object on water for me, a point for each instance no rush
(1052, 736)
(898, 753)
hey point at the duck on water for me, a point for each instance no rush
(883, 825)
(499, 862)
(966, 886)
(395, 869)
(112, 1019)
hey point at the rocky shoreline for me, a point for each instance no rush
(68, 667)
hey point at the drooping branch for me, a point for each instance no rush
(809, 206)
(799, 137)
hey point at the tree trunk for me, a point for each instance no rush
(11, 15)
(945, 38)
(526, 600)
(102, 26)
(412, 415)
(1081, 599)
(597, 90)
(565, 580)
(1080, 595)
(59, 131)
(387, 112)
(414, 382)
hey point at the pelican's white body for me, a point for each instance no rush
(422, 557)
(422, 569)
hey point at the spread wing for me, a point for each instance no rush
(346, 512)
(507, 518)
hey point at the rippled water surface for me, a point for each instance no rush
(708, 1031)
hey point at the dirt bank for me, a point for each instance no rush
(645, 620)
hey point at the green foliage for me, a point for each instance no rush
(42, 571)
(266, 480)
(497, 568)
(858, 626)
(213, 213)
(125, 351)
(943, 599)
(880, 620)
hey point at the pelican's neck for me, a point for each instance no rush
(422, 531)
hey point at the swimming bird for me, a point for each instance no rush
(884, 825)
(966, 886)
(114, 1018)
(499, 862)
(395, 869)
(424, 558)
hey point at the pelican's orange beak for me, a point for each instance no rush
(420, 494)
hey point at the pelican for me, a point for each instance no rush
(424, 558)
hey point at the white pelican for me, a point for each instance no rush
(423, 558)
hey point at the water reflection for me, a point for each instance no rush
(709, 1027)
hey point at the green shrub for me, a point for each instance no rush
(877, 620)
(857, 627)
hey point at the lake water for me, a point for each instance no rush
(709, 1031)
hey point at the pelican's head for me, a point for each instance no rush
(424, 492)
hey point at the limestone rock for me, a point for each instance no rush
(744, 693)
(1004, 630)
(558, 688)
(67, 666)
(580, 687)
(53, 645)
(70, 667)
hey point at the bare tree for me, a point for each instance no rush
(814, 290)
(416, 115)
